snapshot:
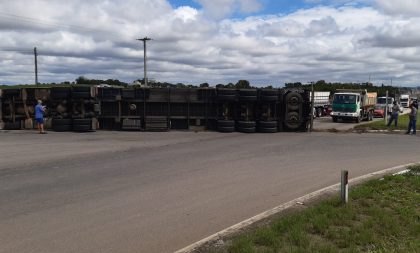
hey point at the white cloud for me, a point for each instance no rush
(404, 7)
(97, 39)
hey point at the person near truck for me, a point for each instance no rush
(394, 114)
(413, 119)
(39, 116)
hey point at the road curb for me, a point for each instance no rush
(358, 131)
(330, 189)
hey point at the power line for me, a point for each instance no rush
(54, 24)
(46, 22)
(15, 50)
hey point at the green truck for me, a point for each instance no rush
(355, 105)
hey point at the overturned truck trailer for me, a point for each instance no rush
(87, 108)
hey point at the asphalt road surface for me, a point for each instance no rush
(159, 192)
(326, 123)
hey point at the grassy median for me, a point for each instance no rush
(381, 216)
(381, 125)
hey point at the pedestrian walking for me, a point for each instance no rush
(394, 114)
(413, 119)
(39, 116)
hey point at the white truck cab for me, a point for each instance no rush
(405, 100)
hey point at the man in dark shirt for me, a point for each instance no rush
(413, 119)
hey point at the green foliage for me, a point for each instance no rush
(241, 245)
(84, 80)
(242, 84)
(322, 85)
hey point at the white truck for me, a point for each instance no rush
(321, 101)
(405, 100)
(383, 103)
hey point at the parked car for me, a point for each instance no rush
(379, 111)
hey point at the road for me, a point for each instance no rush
(326, 123)
(158, 192)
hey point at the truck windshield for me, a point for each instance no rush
(404, 99)
(383, 100)
(344, 99)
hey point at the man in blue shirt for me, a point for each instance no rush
(39, 116)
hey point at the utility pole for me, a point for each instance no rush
(36, 66)
(145, 39)
(312, 107)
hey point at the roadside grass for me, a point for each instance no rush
(403, 121)
(382, 215)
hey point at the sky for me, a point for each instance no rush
(213, 41)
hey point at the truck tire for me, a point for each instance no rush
(60, 122)
(82, 122)
(17, 125)
(82, 128)
(226, 126)
(293, 100)
(61, 128)
(292, 121)
(226, 129)
(335, 119)
(267, 129)
(246, 124)
(61, 125)
(267, 124)
(82, 125)
(358, 119)
(246, 129)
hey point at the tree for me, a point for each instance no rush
(243, 84)
(204, 85)
(293, 85)
(81, 80)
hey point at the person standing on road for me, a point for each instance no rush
(394, 114)
(39, 116)
(413, 119)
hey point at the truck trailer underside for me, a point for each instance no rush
(88, 108)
